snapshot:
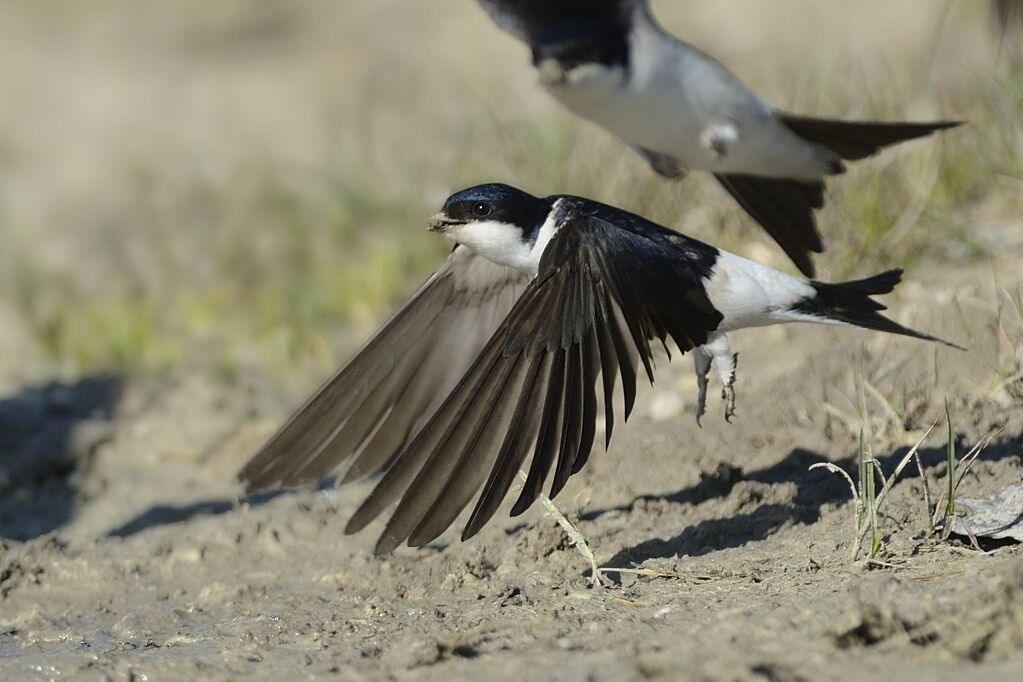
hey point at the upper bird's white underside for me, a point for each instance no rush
(681, 103)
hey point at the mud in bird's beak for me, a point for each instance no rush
(440, 223)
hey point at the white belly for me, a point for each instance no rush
(678, 102)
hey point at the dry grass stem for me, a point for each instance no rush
(575, 536)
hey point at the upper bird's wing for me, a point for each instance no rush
(784, 208)
(602, 295)
(529, 19)
(373, 406)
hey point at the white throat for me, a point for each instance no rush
(502, 243)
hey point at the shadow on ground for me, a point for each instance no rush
(48, 435)
(165, 515)
(815, 489)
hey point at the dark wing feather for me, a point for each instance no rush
(373, 406)
(603, 293)
(785, 209)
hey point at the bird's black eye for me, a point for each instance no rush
(481, 209)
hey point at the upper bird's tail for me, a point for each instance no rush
(854, 140)
(851, 303)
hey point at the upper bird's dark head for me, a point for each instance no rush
(580, 36)
(582, 41)
(496, 221)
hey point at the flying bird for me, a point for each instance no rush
(517, 341)
(610, 62)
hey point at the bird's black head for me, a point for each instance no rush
(496, 221)
(495, 203)
(573, 33)
(583, 41)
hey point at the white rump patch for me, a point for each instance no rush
(749, 294)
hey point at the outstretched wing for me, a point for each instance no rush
(529, 19)
(602, 295)
(373, 406)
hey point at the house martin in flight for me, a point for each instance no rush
(515, 344)
(610, 62)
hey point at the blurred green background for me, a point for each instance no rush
(243, 185)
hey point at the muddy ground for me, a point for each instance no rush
(129, 555)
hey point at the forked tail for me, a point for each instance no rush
(854, 140)
(851, 303)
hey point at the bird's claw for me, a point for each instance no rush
(728, 392)
(728, 395)
(701, 398)
(703, 363)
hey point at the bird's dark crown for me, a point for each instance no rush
(599, 35)
(499, 203)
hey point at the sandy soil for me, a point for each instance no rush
(130, 556)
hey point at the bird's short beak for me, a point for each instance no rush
(440, 223)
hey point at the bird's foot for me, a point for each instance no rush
(665, 165)
(717, 352)
(728, 392)
(702, 361)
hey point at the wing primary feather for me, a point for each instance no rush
(608, 367)
(626, 367)
(591, 365)
(458, 421)
(363, 423)
(409, 462)
(513, 452)
(549, 436)
(372, 407)
(335, 401)
(418, 402)
(622, 291)
(477, 457)
(571, 430)
(568, 316)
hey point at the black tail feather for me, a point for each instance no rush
(851, 303)
(883, 283)
(854, 140)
